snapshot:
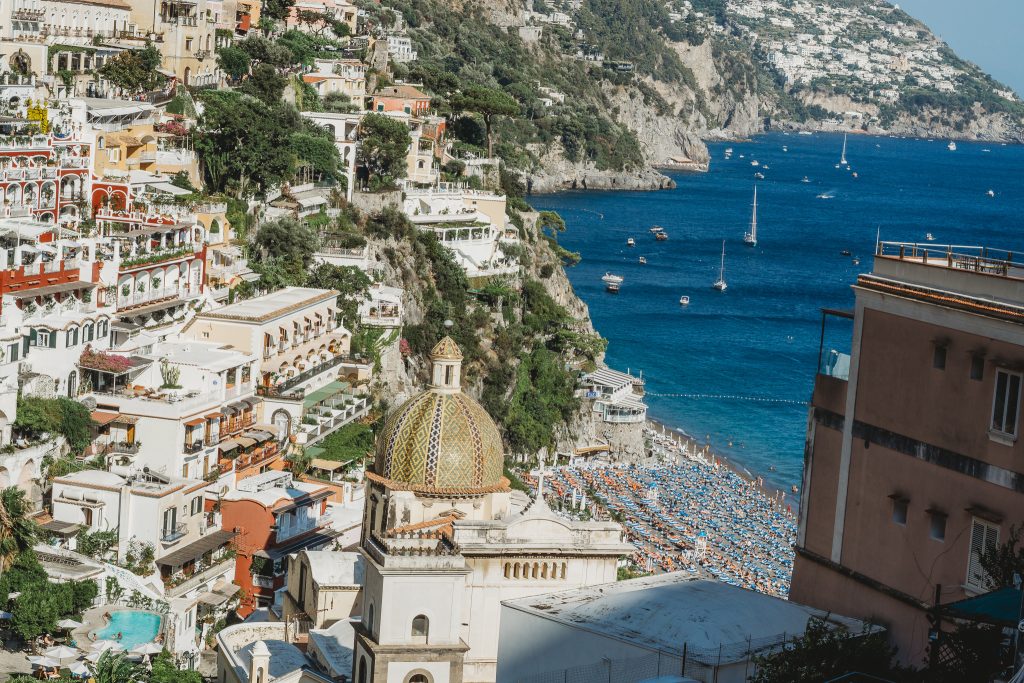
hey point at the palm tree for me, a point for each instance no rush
(115, 668)
(18, 532)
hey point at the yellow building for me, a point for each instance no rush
(185, 31)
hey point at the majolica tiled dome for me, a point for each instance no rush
(441, 440)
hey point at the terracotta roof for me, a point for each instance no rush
(404, 91)
(426, 524)
(309, 78)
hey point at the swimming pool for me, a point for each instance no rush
(135, 628)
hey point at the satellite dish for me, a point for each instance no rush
(89, 402)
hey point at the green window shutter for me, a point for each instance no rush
(53, 340)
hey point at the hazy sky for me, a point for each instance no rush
(986, 32)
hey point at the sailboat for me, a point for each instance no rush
(720, 282)
(842, 157)
(750, 238)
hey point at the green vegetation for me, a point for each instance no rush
(248, 145)
(825, 653)
(234, 62)
(134, 70)
(382, 148)
(349, 444)
(41, 603)
(282, 252)
(70, 419)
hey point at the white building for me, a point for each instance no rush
(400, 48)
(345, 128)
(615, 396)
(382, 306)
(470, 223)
(638, 629)
(445, 540)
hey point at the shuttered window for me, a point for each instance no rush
(984, 536)
(1005, 404)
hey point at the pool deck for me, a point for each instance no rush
(93, 621)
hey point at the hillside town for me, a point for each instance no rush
(287, 364)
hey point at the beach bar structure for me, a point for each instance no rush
(913, 455)
(615, 395)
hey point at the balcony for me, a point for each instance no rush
(194, 447)
(215, 570)
(174, 534)
(283, 388)
(158, 256)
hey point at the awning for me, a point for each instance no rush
(998, 607)
(168, 188)
(325, 392)
(214, 416)
(196, 422)
(213, 599)
(313, 541)
(227, 445)
(252, 401)
(130, 141)
(197, 549)
(229, 410)
(258, 435)
(240, 406)
(153, 308)
(52, 289)
(245, 442)
(61, 528)
(326, 465)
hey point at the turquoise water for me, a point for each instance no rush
(737, 368)
(135, 628)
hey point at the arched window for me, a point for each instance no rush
(88, 331)
(72, 384)
(101, 329)
(101, 142)
(508, 570)
(361, 678)
(283, 421)
(369, 620)
(418, 677)
(420, 627)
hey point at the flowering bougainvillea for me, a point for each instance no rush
(105, 362)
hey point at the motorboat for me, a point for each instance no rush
(805, 179)
(991, 193)
(951, 146)
(684, 300)
(759, 175)
(612, 282)
(631, 242)
(643, 260)
(929, 237)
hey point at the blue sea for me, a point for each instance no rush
(736, 369)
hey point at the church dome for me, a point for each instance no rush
(441, 441)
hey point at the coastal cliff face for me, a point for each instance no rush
(610, 91)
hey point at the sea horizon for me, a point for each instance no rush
(736, 369)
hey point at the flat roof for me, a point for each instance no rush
(335, 567)
(665, 611)
(206, 355)
(271, 306)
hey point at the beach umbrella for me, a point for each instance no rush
(45, 662)
(94, 657)
(147, 649)
(69, 624)
(102, 645)
(63, 652)
(79, 669)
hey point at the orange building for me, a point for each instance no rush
(913, 457)
(404, 98)
(274, 516)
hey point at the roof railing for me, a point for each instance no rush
(961, 257)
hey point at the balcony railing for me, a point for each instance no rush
(219, 567)
(284, 387)
(176, 533)
(194, 447)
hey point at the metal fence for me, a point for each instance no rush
(704, 665)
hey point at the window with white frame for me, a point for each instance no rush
(42, 338)
(984, 536)
(1006, 402)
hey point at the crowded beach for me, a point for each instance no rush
(690, 512)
